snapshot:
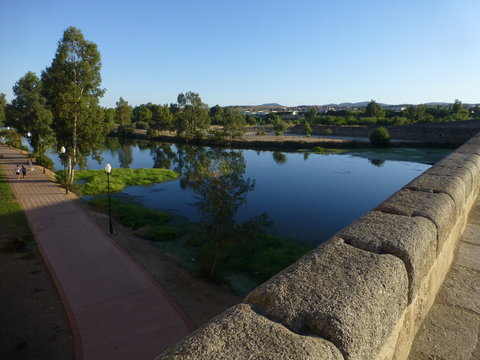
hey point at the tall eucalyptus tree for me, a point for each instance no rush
(72, 87)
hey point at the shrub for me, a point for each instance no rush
(142, 125)
(318, 149)
(44, 161)
(308, 129)
(380, 137)
(328, 131)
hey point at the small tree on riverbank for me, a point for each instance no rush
(192, 119)
(380, 137)
(308, 129)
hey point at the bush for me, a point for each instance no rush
(318, 149)
(380, 137)
(308, 129)
(44, 161)
(328, 131)
(141, 125)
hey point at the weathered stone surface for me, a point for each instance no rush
(462, 173)
(469, 256)
(449, 333)
(438, 208)
(469, 148)
(462, 288)
(450, 185)
(346, 295)
(471, 234)
(240, 333)
(458, 160)
(412, 239)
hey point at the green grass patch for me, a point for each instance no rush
(96, 180)
(12, 218)
(131, 215)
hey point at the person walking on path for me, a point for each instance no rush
(24, 171)
(17, 171)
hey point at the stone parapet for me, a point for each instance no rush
(364, 293)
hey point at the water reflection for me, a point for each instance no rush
(376, 162)
(309, 197)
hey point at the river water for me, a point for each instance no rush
(308, 197)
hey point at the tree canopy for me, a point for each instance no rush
(30, 112)
(71, 85)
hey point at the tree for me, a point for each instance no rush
(72, 87)
(123, 113)
(142, 113)
(457, 106)
(233, 122)
(216, 114)
(308, 129)
(162, 118)
(3, 102)
(31, 114)
(375, 110)
(312, 116)
(279, 126)
(192, 119)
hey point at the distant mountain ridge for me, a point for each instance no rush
(360, 104)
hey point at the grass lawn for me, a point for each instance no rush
(96, 180)
(12, 219)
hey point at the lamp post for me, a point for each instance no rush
(62, 150)
(29, 134)
(108, 170)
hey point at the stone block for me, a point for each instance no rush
(351, 297)
(450, 185)
(412, 239)
(457, 159)
(438, 208)
(240, 333)
(469, 148)
(463, 174)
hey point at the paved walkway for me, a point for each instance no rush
(451, 330)
(116, 309)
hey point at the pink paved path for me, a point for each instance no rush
(116, 310)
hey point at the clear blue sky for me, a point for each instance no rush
(252, 52)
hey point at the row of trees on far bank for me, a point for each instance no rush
(374, 113)
(189, 117)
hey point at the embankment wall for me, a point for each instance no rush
(448, 133)
(364, 293)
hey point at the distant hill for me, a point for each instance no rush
(272, 105)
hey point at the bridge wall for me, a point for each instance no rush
(362, 294)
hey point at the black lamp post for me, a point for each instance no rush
(62, 150)
(108, 170)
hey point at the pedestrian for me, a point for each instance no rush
(24, 171)
(17, 171)
(30, 167)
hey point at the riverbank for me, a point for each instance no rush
(449, 134)
(286, 142)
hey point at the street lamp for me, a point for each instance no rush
(29, 134)
(108, 170)
(62, 150)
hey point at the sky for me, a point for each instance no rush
(297, 52)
